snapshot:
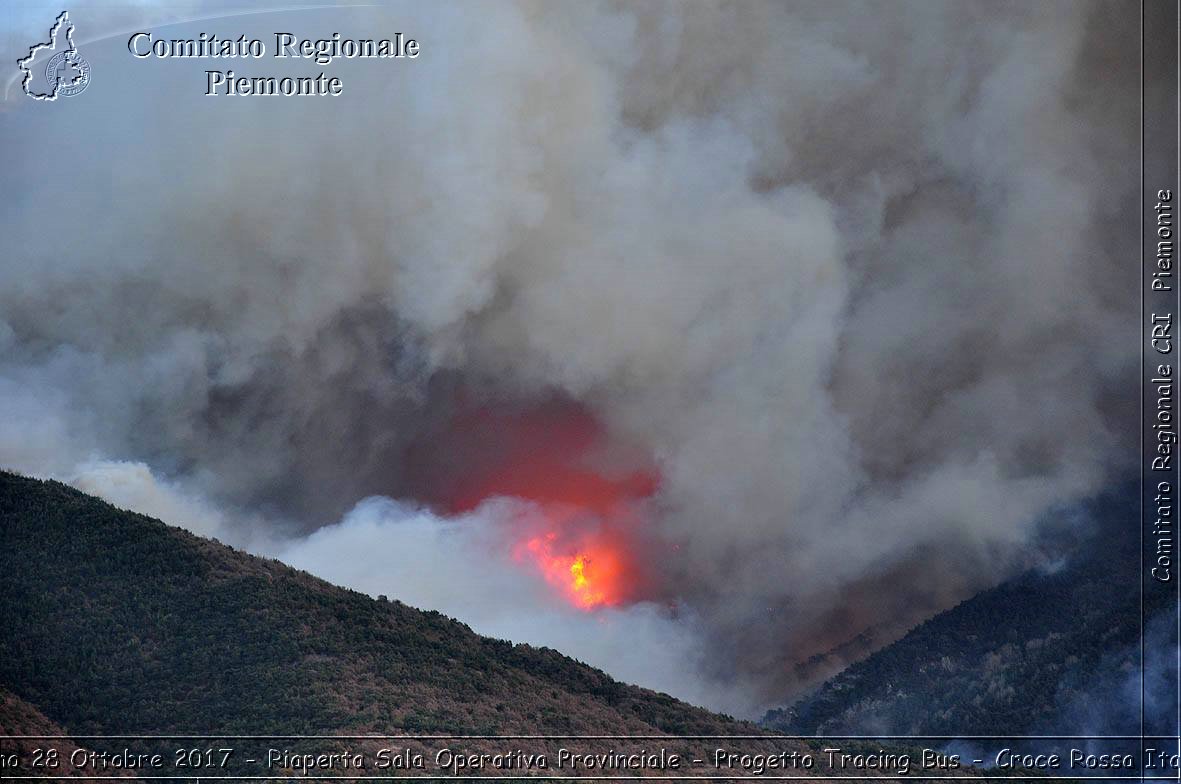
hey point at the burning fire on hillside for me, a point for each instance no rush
(585, 520)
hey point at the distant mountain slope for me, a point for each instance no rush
(18, 717)
(117, 623)
(1019, 658)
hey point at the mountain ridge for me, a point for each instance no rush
(115, 586)
(1014, 659)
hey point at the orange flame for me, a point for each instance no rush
(582, 530)
(590, 577)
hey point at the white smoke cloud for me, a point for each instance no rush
(131, 485)
(852, 279)
(465, 567)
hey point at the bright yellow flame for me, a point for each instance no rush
(578, 570)
(581, 588)
(589, 576)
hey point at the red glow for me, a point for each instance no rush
(591, 576)
(587, 549)
(590, 558)
(583, 534)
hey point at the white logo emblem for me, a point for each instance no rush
(67, 72)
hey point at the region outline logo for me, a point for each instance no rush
(67, 73)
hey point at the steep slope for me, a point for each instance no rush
(117, 623)
(1023, 657)
(18, 717)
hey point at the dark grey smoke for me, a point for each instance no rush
(855, 276)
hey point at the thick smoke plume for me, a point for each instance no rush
(851, 281)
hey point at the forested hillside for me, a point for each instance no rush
(1047, 651)
(117, 623)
